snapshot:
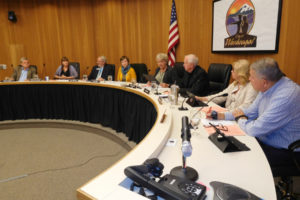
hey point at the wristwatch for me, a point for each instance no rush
(214, 114)
(238, 117)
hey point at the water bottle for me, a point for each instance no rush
(174, 93)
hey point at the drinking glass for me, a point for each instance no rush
(84, 77)
(110, 78)
(195, 118)
(133, 82)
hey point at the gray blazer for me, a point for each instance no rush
(18, 70)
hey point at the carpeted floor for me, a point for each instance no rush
(53, 159)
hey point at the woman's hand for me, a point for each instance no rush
(164, 85)
(201, 98)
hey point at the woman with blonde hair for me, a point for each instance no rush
(240, 92)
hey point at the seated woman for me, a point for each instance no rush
(162, 63)
(126, 72)
(65, 71)
(240, 93)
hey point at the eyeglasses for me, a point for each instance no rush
(221, 127)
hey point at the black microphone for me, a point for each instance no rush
(183, 108)
(222, 95)
(44, 70)
(186, 147)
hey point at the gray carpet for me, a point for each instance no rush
(55, 159)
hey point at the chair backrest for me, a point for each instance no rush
(140, 69)
(179, 64)
(76, 65)
(219, 77)
(35, 67)
(114, 69)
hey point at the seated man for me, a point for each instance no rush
(195, 79)
(101, 71)
(24, 71)
(274, 116)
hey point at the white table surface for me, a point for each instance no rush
(249, 169)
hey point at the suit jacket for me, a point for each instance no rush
(195, 82)
(107, 70)
(158, 69)
(18, 70)
(173, 75)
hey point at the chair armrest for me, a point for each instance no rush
(294, 145)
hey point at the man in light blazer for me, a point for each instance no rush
(24, 71)
(102, 70)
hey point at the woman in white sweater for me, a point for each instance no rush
(240, 92)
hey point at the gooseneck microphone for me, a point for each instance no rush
(222, 95)
(186, 147)
(183, 108)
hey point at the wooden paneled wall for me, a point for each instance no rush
(83, 29)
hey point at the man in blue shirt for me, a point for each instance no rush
(102, 70)
(24, 71)
(274, 116)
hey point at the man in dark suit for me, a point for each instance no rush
(24, 71)
(195, 79)
(101, 71)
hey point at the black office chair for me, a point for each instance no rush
(114, 69)
(178, 64)
(219, 77)
(140, 69)
(284, 187)
(76, 65)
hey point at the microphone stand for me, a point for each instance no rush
(223, 95)
(184, 171)
(44, 71)
(157, 93)
(183, 108)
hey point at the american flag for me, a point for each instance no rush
(173, 35)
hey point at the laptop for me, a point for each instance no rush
(150, 78)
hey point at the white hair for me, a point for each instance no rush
(102, 58)
(23, 59)
(191, 58)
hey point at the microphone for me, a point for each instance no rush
(222, 95)
(183, 108)
(86, 69)
(44, 70)
(186, 147)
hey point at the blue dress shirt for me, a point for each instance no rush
(23, 75)
(99, 72)
(274, 116)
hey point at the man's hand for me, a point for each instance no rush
(237, 112)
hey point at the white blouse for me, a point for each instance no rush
(239, 96)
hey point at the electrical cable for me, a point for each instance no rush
(57, 169)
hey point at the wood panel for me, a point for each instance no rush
(84, 29)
